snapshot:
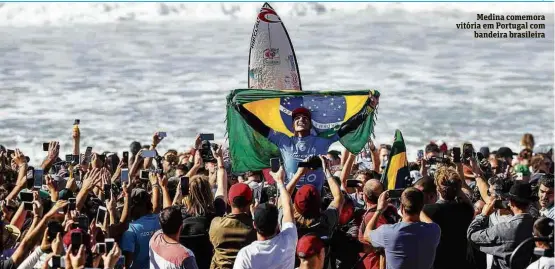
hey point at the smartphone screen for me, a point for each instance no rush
(109, 244)
(101, 248)
(274, 164)
(83, 222)
(149, 154)
(88, 155)
(351, 183)
(10, 153)
(45, 146)
(107, 191)
(76, 122)
(456, 154)
(38, 175)
(54, 228)
(72, 204)
(100, 215)
(162, 134)
(396, 193)
(144, 174)
(56, 262)
(124, 175)
(102, 157)
(126, 157)
(26, 196)
(207, 137)
(76, 242)
(185, 185)
(420, 154)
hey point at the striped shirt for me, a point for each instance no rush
(164, 254)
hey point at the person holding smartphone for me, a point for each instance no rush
(304, 143)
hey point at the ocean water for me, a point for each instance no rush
(130, 69)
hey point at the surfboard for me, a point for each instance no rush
(272, 60)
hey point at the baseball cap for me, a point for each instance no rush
(505, 152)
(309, 245)
(307, 201)
(240, 190)
(266, 218)
(485, 151)
(300, 111)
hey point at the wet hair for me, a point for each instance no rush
(448, 183)
(200, 201)
(428, 185)
(135, 147)
(171, 220)
(547, 181)
(527, 141)
(412, 200)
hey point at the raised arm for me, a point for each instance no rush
(156, 139)
(355, 121)
(254, 121)
(53, 152)
(76, 135)
(284, 196)
(221, 173)
(21, 182)
(334, 185)
(346, 171)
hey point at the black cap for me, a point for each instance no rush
(505, 152)
(266, 219)
(485, 151)
(521, 192)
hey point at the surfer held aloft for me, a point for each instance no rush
(303, 144)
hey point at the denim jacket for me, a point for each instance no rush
(501, 239)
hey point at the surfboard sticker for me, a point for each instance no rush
(272, 60)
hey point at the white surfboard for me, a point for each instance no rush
(272, 60)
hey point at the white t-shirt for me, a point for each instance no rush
(542, 263)
(278, 252)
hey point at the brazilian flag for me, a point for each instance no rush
(397, 173)
(250, 151)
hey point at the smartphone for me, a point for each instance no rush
(88, 156)
(353, 183)
(395, 194)
(184, 185)
(162, 134)
(38, 177)
(274, 164)
(468, 151)
(124, 175)
(100, 215)
(501, 204)
(107, 191)
(72, 204)
(10, 153)
(56, 262)
(45, 146)
(125, 157)
(479, 157)
(109, 244)
(313, 162)
(101, 248)
(26, 196)
(149, 154)
(76, 241)
(456, 154)
(54, 228)
(206, 137)
(420, 154)
(102, 158)
(76, 122)
(144, 174)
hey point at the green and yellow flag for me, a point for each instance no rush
(250, 151)
(397, 173)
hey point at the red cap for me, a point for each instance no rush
(87, 240)
(240, 190)
(309, 245)
(307, 201)
(300, 111)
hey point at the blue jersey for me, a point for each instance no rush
(296, 149)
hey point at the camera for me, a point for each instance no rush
(206, 151)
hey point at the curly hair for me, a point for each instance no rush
(448, 182)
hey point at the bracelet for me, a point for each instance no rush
(155, 185)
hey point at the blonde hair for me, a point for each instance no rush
(200, 201)
(527, 141)
(448, 182)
